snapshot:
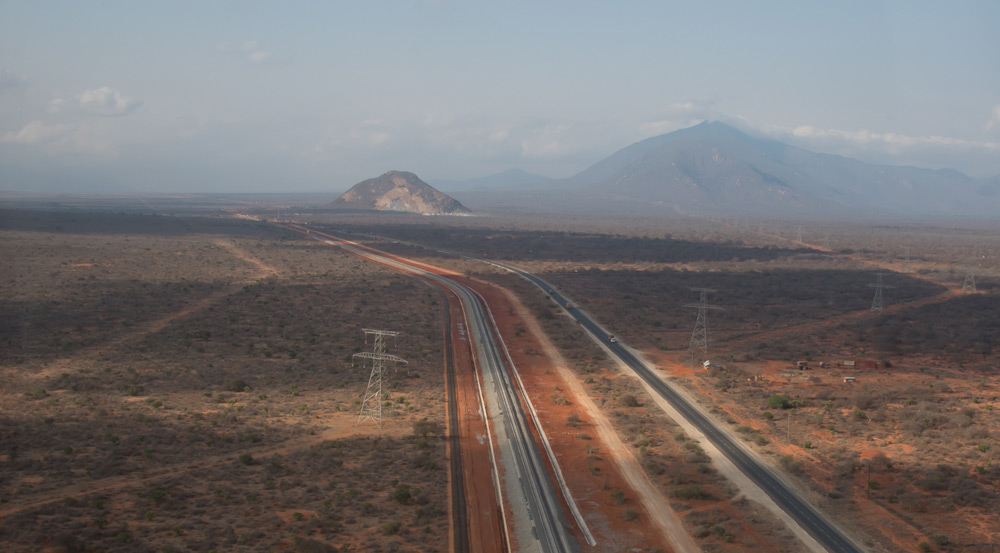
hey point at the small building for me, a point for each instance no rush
(868, 364)
(847, 364)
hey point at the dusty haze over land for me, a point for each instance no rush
(258, 97)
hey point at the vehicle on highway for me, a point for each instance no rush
(612, 339)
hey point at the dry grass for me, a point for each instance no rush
(186, 384)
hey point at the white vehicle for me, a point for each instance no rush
(612, 339)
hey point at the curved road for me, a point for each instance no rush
(827, 534)
(548, 530)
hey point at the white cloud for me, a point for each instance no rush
(994, 121)
(107, 102)
(548, 142)
(681, 115)
(891, 139)
(259, 56)
(249, 51)
(37, 132)
(56, 105)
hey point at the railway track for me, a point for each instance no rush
(537, 518)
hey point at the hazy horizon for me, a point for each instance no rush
(234, 96)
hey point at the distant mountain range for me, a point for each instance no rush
(713, 169)
(398, 191)
(508, 178)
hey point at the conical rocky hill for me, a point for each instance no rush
(399, 191)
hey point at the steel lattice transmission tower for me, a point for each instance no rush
(970, 281)
(877, 304)
(371, 407)
(699, 338)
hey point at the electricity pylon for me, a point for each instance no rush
(699, 338)
(371, 407)
(970, 281)
(877, 304)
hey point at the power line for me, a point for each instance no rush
(877, 303)
(970, 280)
(371, 407)
(700, 335)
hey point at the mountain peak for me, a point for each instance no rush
(715, 168)
(399, 191)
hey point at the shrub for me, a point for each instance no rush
(36, 394)
(424, 428)
(246, 459)
(391, 528)
(628, 400)
(619, 497)
(779, 401)
(694, 491)
(790, 464)
(402, 494)
(306, 545)
(880, 462)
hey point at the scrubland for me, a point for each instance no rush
(904, 455)
(186, 383)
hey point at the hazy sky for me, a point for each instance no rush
(219, 96)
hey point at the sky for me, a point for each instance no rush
(244, 96)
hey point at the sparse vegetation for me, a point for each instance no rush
(156, 348)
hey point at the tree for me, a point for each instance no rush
(423, 428)
(779, 401)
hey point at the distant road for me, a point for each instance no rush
(542, 503)
(808, 517)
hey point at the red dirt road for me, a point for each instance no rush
(593, 472)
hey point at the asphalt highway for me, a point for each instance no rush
(808, 517)
(821, 529)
